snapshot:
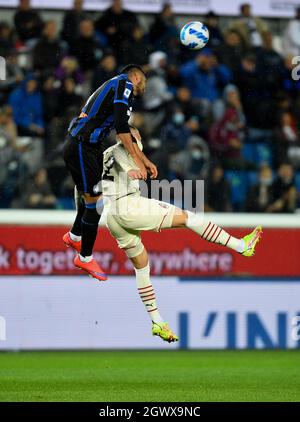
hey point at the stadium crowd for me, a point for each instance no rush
(228, 114)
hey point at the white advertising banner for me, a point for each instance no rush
(80, 313)
(271, 8)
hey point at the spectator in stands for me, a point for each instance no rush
(256, 98)
(226, 140)
(69, 68)
(86, 48)
(8, 129)
(37, 193)
(136, 49)
(14, 75)
(291, 40)
(68, 98)
(106, 69)
(217, 191)
(269, 63)
(192, 162)
(260, 196)
(26, 102)
(164, 29)
(206, 79)
(232, 100)
(287, 140)
(6, 39)
(215, 34)
(27, 22)
(48, 51)
(157, 95)
(284, 190)
(117, 24)
(230, 52)
(251, 28)
(175, 133)
(71, 22)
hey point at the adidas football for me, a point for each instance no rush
(194, 35)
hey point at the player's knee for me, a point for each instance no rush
(89, 199)
(91, 215)
(133, 250)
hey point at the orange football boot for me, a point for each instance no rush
(92, 268)
(71, 243)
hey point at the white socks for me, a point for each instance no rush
(74, 237)
(213, 233)
(85, 258)
(147, 293)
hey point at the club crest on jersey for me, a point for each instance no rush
(127, 93)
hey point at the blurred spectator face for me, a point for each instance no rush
(206, 61)
(183, 94)
(138, 33)
(86, 28)
(40, 177)
(31, 86)
(5, 31)
(268, 40)
(109, 63)
(288, 62)
(24, 4)
(178, 117)
(286, 172)
(77, 5)
(69, 85)
(5, 115)
(246, 10)
(217, 174)
(167, 11)
(49, 84)
(249, 64)
(265, 175)
(50, 30)
(69, 65)
(286, 119)
(117, 6)
(233, 39)
(212, 20)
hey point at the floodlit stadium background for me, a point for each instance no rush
(212, 297)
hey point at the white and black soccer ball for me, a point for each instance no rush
(194, 35)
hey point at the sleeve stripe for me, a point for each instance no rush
(121, 101)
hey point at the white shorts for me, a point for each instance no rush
(131, 215)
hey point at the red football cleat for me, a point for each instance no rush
(71, 243)
(92, 268)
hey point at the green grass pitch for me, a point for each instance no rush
(147, 376)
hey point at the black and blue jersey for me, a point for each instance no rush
(107, 108)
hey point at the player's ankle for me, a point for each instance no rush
(74, 237)
(86, 258)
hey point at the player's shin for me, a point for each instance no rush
(75, 232)
(212, 232)
(89, 229)
(146, 292)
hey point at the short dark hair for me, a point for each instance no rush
(132, 68)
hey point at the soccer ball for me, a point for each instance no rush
(194, 35)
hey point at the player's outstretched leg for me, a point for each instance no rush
(146, 291)
(215, 234)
